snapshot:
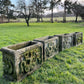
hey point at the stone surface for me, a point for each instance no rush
(78, 38)
(50, 46)
(65, 41)
(21, 59)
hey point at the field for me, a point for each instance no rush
(65, 68)
(55, 19)
(48, 19)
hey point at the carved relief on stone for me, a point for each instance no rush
(51, 48)
(78, 38)
(67, 42)
(9, 65)
(29, 60)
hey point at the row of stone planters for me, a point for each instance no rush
(23, 59)
(69, 40)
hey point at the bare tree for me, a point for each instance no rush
(67, 8)
(25, 10)
(75, 7)
(7, 6)
(82, 12)
(53, 4)
(43, 6)
(2, 10)
(39, 6)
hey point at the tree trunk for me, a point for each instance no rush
(76, 18)
(52, 15)
(38, 18)
(64, 16)
(8, 19)
(2, 18)
(41, 18)
(41, 12)
(37, 10)
(8, 15)
(27, 23)
(41, 15)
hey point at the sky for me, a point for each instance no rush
(81, 1)
(13, 1)
(55, 10)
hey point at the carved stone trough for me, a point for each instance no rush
(21, 59)
(78, 38)
(50, 46)
(65, 41)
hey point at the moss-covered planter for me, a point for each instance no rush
(65, 41)
(21, 59)
(78, 38)
(50, 46)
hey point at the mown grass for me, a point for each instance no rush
(65, 68)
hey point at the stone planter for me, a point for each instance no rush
(65, 41)
(21, 59)
(50, 46)
(78, 38)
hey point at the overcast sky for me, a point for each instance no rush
(60, 8)
(55, 10)
(81, 1)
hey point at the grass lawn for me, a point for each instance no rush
(65, 68)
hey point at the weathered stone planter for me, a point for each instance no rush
(65, 41)
(21, 59)
(50, 46)
(78, 38)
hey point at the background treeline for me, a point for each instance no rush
(36, 9)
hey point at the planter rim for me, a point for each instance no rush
(45, 39)
(64, 35)
(29, 47)
(77, 32)
(8, 49)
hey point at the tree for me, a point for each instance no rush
(43, 6)
(78, 10)
(2, 11)
(38, 7)
(82, 12)
(67, 8)
(7, 7)
(25, 10)
(53, 3)
(11, 14)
